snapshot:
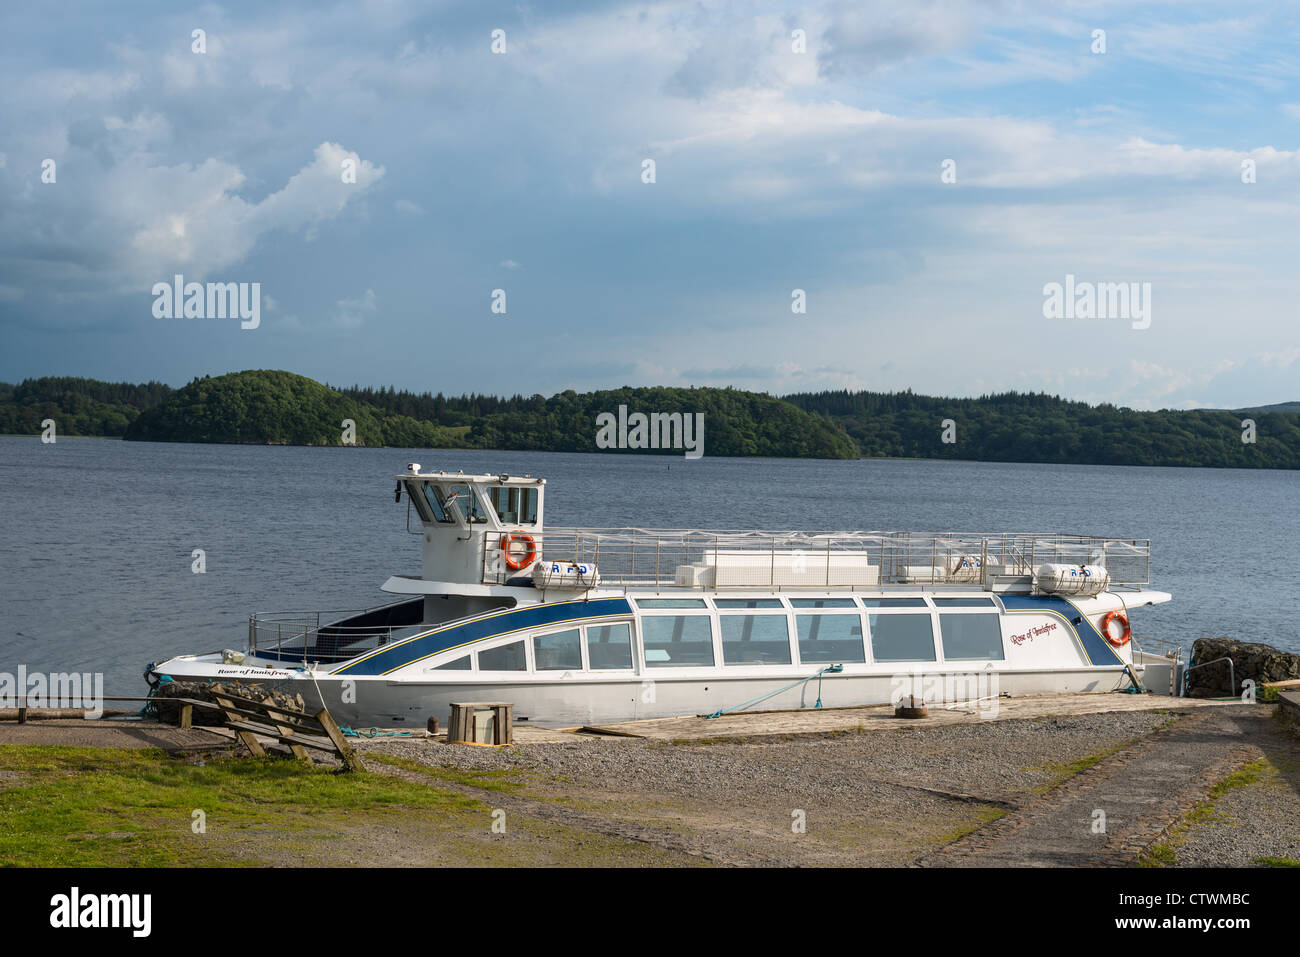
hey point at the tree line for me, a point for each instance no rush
(277, 407)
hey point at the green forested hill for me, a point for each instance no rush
(79, 406)
(1033, 427)
(270, 406)
(282, 408)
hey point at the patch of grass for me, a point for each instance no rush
(981, 816)
(1165, 853)
(1277, 862)
(499, 779)
(1243, 777)
(1060, 773)
(1158, 855)
(85, 807)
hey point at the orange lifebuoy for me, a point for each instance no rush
(1122, 640)
(522, 538)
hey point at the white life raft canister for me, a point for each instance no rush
(548, 574)
(1071, 579)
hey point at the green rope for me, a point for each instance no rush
(373, 733)
(828, 670)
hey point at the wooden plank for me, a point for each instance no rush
(260, 707)
(461, 726)
(309, 724)
(286, 734)
(247, 737)
(1283, 685)
(350, 759)
(505, 724)
(266, 731)
(187, 716)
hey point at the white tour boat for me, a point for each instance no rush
(577, 626)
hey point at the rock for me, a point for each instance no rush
(170, 711)
(1250, 660)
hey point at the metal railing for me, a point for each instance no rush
(635, 556)
(315, 635)
(301, 635)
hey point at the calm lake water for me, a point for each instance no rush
(96, 536)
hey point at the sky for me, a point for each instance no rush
(923, 172)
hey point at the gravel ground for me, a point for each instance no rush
(999, 760)
(1259, 819)
(868, 798)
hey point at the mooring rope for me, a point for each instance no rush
(828, 670)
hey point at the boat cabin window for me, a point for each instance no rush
(466, 501)
(561, 651)
(677, 641)
(509, 657)
(671, 603)
(456, 664)
(823, 603)
(609, 647)
(747, 602)
(830, 639)
(971, 636)
(414, 495)
(894, 602)
(984, 603)
(902, 636)
(514, 506)
(434, 498)
(755, 640)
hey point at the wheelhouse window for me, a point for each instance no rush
(830, 639)
(677, 641)
(415, 495)
(436, 501)
(609, 647)
(465, 499)
(902, 636)
(755, 640)
(971, 636)
(514, 505)
(511, 657)
(561, 651)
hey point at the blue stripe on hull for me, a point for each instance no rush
(1095, 646)
(408, 652)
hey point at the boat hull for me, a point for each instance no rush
(390, 703)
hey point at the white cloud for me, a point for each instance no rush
(353, 312)
(133, 222)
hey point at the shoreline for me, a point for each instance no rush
(668, 457)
